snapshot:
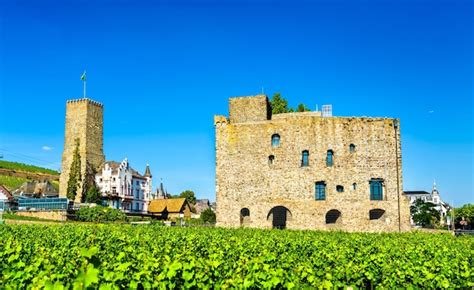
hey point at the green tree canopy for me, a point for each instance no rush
(93, 195)
(424, 213)
(280, 105)
(189, 195)
(74, 174)
(302, 108)
(466, 212)
(208, 216)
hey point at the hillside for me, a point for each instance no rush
(14, 174)
(26, 167)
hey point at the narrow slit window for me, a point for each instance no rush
(305, 158)
(330, 158)
(352, 148)
(271, 159)
(275, 140)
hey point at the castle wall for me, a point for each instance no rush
(84, 121)
(245, 179)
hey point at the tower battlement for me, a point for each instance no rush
(85, 100)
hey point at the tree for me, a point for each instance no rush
(208, 216)
(93, 195)
(424, 213)
(466, 212)
(279, 104)
(189, 195)
(302, 108)
(74, 174)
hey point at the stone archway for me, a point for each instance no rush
(333, 216)
(279, 215)
(244, 216)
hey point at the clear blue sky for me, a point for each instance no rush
(163, 69)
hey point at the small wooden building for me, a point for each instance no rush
(170, 209)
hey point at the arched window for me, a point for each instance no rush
(354, 186)
(375, 214)
(275, 140)
(339, 188)
(305, 158)
(320, 190)
(329, 158)
(271, 159)
(333, 216)
(352, 148)
(244, 216)
(376, 189)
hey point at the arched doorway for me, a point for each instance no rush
(333, 216)
(279, 216)
(244, 216)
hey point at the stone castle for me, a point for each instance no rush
(307, 170)
(84, 122)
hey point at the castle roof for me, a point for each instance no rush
(5, 192)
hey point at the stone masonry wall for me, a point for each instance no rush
(84, 120)
(245, 179)
(247, 109)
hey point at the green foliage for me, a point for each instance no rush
(189, 195)
(25, 167)
(93, 195)
(208, 216)
(302, 108)
(280, 105)
(424, 213)
(466, 211)
(100, 214)
(74, 174)
(12, 182)
(149, 257)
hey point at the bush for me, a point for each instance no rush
(100, 214)
(208, 216)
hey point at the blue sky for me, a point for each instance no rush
(163, 69)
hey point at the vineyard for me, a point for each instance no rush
(123, 256)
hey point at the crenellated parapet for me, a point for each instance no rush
(85, 100)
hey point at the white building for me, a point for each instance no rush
(433, 197)
(124, 188)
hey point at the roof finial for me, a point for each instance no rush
(434, 184)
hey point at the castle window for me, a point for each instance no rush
(333, 216)
(354, 186)
(320, 189)
(340, 188)
(329, 158)
(244, 216)
(271, 159)
(275, 140)
(352, 148)
(375, 214)
(376, 189)
(305, 158)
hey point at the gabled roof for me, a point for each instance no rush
(171, 205)
(7, 193)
